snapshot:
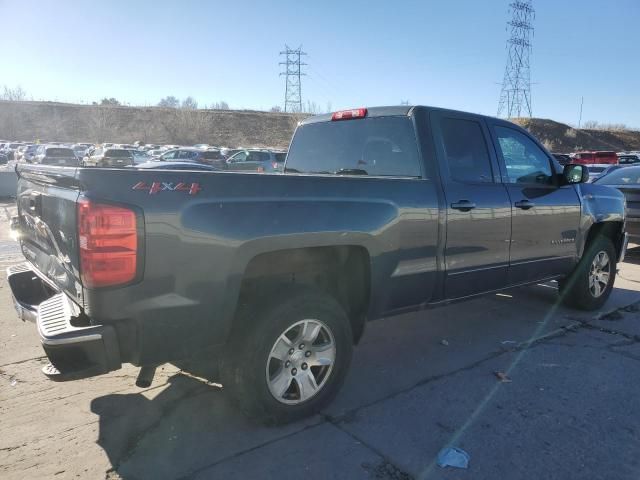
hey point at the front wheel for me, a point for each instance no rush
(590, 284)
(289, 356)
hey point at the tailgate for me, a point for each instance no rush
(46, 201)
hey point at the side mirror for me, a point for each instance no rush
(574, 173)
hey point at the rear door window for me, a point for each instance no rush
(212, 155)
(466, 151)
(170, 155)
(258, 157)
(186, 155)
(381, 146)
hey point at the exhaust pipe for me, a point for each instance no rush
(145, 376)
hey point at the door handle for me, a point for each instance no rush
(463, 205)
(525, 204)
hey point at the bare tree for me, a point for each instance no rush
(169, 102)
(311, 107)
(276, 108)
(190, 103)
(222, 105)
(109, 101)
(16, 94)
(102, 123)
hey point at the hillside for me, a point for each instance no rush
(559, 137)
(85, 123)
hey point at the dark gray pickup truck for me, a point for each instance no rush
(379, 211)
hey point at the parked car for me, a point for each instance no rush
(18, 155)
(383, 210)
(55, 155)
(596, 170)
(10, 149)
(140, 156)
(80, 151)
(30, 153)
(562, 158)
(629, 159)
(256, 160)
(109, 157)
(209, 157)
(627, 180)
(155, 154)
(187, 165)
(599, 157)
(228, 152)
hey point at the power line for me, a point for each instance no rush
(515, 96)
(293, 83)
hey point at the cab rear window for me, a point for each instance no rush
(60, 152)
(381, 146)
(117, 153)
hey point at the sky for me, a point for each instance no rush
(360, 53)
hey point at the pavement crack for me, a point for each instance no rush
(348, 415)
(18, 362)
(385, 469)
(610, 331)
(192, 474)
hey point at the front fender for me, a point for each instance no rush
(600, 204)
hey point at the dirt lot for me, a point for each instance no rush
(418, 382)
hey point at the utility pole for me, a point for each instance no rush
(515, 96)
(580, 117)
(293, 72)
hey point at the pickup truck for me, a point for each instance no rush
(379, 211)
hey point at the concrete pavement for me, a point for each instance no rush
(418, 383)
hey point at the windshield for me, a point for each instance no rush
(622, 176)
(371, 146)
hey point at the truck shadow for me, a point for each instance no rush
(175, 430)
(187, 425)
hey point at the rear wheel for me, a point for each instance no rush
(590, 284)
(289, 356)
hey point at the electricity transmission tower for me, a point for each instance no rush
(515, 97)
(293, 73)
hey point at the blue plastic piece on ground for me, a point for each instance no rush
(453, 457)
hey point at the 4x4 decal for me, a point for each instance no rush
(156, 187)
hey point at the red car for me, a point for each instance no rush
(588, 158)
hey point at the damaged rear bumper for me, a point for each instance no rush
(75, 347)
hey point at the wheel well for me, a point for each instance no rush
(341, 271)
(611, 230)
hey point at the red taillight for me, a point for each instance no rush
(349, 114)
(108, 238)
(260, 170)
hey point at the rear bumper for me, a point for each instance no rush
(76, 348)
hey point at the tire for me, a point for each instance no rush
(255, 360)
(579, 290)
